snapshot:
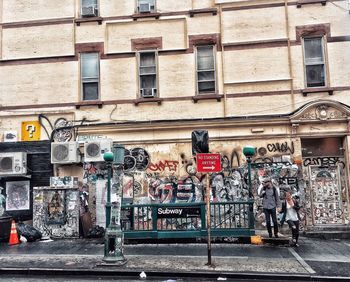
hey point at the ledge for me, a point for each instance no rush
(135, 17)
(99, 104)
(88, 20)
(199, 97)
(306, 2)
(213, 11)
(317, 90)
(148, 100)
(257, 81)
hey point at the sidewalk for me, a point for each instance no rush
(84, 257)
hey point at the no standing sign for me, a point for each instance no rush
(208, 162)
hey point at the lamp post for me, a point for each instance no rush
(108, 157)
(113, 249)
(249, 152)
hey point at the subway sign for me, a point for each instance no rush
(178, 212)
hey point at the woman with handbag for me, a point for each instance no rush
(290, 211)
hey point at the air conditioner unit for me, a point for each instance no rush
(13, 163)
(144, 7)
(65, 152)
(148, 92)
(89, 11)
(94, 150)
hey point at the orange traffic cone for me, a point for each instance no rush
(13, 235)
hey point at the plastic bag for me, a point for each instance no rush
(29, 232)
(200, 142)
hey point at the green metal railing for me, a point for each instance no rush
(187, 220)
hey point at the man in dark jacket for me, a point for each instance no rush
(271, 203)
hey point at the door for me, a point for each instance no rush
(326, 202)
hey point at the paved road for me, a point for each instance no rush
(312, 259)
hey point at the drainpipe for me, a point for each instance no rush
(289, 54)
(222, 61)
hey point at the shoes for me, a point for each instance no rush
(294, 243)
(270, 235)
(276, 235)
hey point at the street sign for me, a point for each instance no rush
(208, 162)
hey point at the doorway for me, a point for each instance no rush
(326, 202)
(325, 179)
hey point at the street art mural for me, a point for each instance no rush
(17, 195)
(152, 178)
(327, 194)
(56, 211)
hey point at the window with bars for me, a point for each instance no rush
(89, 8)
(206, 72)
(146, 6)
(148, 74)
(314, 62)
(90, 76)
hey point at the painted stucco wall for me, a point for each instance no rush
(28, 10)
(51, 83)
(38, 41)
(172, 33)
(253, 25)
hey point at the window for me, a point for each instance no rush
(205, 69)
(90, 76)
(146, 6)
(89, 8)
(314, 62)
(148, 74)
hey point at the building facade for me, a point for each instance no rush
(146, 73)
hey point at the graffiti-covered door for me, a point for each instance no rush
(326, 202)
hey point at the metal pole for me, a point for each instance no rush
(249, 160)
(251, 209)
(108, 203)
(208, 220)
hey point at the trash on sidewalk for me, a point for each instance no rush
(46, 239)
(23, 239)
(29, 232)
(222, 279)
(143, 275)
(96, 232)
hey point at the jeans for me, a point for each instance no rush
(272, 213)
(294, 226)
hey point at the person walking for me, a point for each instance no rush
(290, 214)
(271, 203)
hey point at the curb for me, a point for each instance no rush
(134, 273)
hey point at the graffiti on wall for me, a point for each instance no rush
(277, 147)
(56, 212)
(325, 200)
(163, 165)
(94, 172)
(148, 180)
(324, 161)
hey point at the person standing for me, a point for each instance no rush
(290, 214)
(271, 203)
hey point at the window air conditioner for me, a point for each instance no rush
(144, 7)
(14, 163)
(148, 92)
(94, 150)
(89, 11)
(65, 152)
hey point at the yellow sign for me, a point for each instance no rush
(31, 131)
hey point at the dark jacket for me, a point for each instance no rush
(284, 209)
